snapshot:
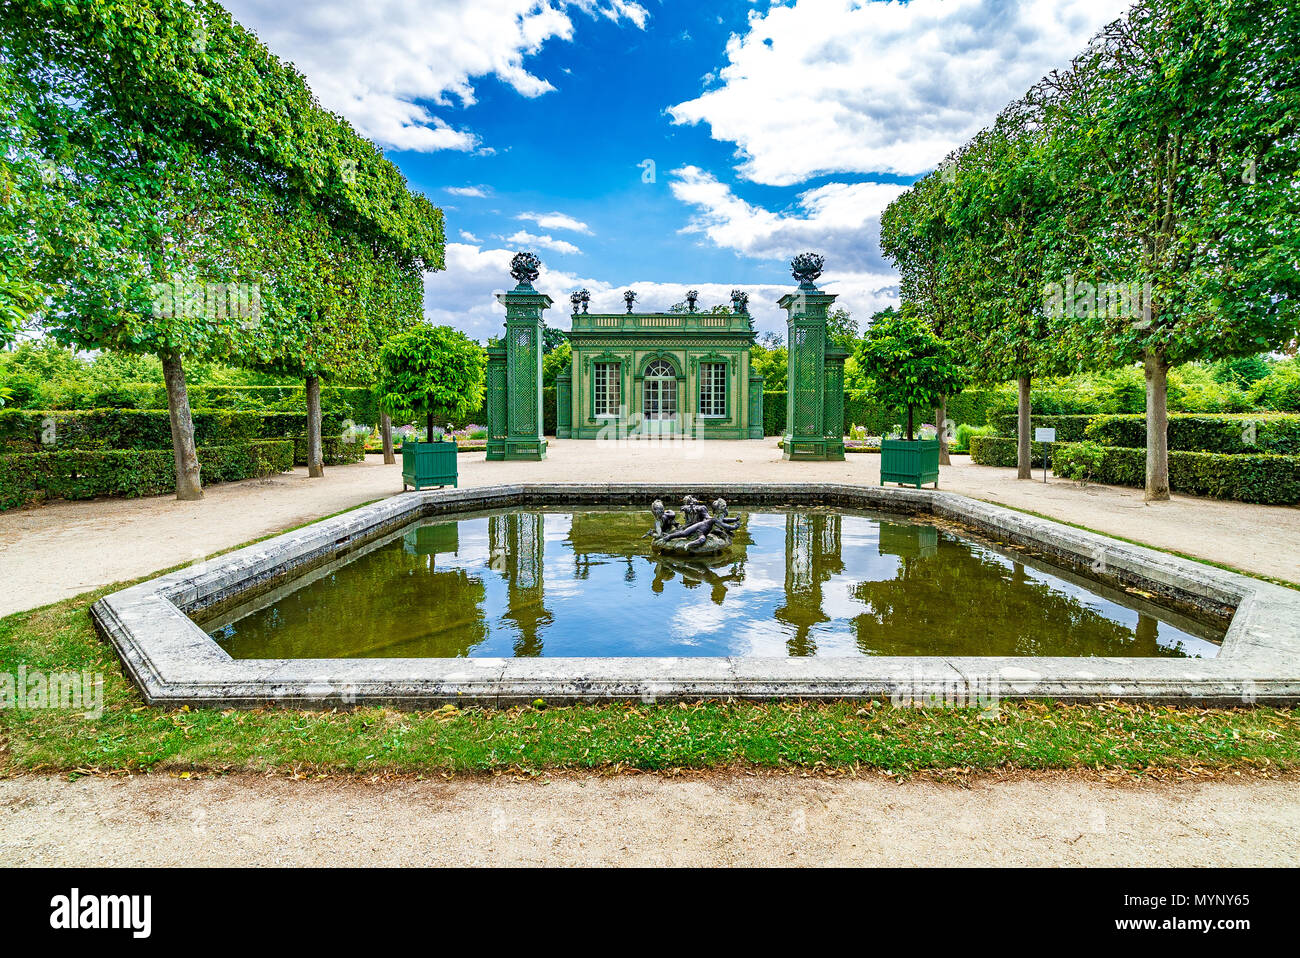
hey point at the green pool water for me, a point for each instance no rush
(584, 583)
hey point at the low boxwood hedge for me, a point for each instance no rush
(1068, 428)
(859, 410)
(1268, 479)
(28, 430)
(334, 451)
(1001, 451)
(28, 477)
(1263, 478)
(1229, 434)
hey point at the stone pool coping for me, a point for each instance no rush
(173, 662)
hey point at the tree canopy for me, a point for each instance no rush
(431, 371)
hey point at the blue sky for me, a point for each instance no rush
(772, 128)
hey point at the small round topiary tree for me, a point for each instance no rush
(908, 365)
(431, 371)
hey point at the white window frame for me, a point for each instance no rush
(713, 390)
(606, 385)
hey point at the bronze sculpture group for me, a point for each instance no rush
(703, 530)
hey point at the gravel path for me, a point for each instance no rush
(62, 549)
(724, 818)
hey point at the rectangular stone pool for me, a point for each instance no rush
(580, 582)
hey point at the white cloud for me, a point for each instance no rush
(462, 295)
(839, 220)
(555, 221)
(377, 63)
(479, 191)
(545, 241)
(825, 86)
(469, 237)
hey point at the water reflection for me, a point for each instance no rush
(584, 583)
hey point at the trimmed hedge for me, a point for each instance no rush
(25, 430)
(1269, 479)
(334, 451)
(1272, 480)
(1001, 451)
(860, 410)
(1228, 434)
(84, 474)
(358, 401)
(1068, 428)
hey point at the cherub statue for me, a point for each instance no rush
(706, 530)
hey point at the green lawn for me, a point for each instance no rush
(792, 735)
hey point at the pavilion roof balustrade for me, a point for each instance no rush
(661, 322)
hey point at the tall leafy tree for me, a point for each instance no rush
(171, 142)
(1176, 137)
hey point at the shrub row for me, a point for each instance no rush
(23, 430)
(1277, 433)
(1246, 477)
(1269, 479)
(334, 451)
(860, 410)
(357, 402)
(1068, 428)
(1001, 451)
(1225, 433)
(84, 474)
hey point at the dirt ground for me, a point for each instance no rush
(727, 818)
(65, 548)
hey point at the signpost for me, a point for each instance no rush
(1046, 435)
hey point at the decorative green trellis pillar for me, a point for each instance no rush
(814, 412)
(521, 437)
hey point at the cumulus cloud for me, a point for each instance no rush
(479, 191)
(462, 296)
(379, 63)
(820, 86)
(839, 220)
(555, 221)
(523, 239)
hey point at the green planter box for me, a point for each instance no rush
(914, 463)
(428, 464)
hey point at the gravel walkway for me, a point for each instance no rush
(725, 818)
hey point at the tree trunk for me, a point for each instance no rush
(1157, 376)
(1024, 451)
(386, 433)
(940, 415)
(188, 486)
(909, 423)
(428, 428)
(315, 458)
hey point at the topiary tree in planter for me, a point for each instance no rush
(431, 371)
(909, 366)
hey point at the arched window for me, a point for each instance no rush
(659, 393)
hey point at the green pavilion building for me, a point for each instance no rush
(681, 374)
(660, 373)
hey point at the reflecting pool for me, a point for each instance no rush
(582, 582)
